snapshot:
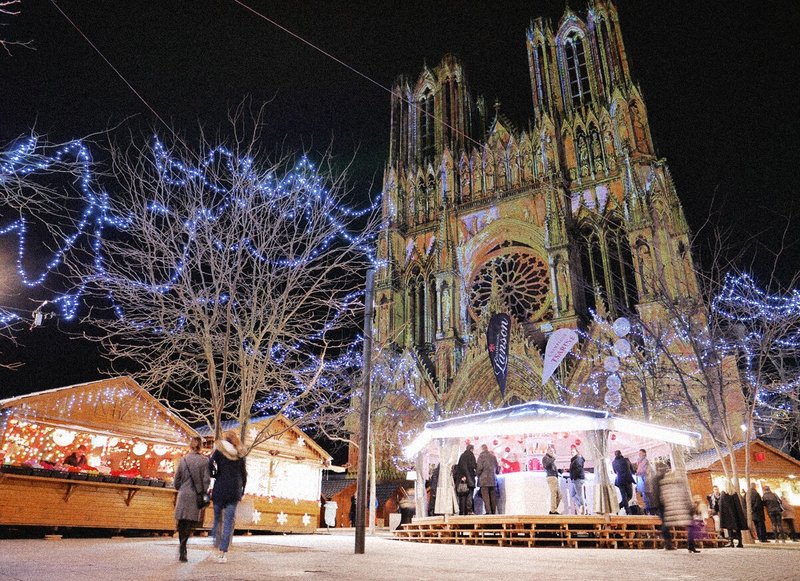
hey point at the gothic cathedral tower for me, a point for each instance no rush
(572, 214)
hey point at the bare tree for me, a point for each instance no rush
(231, 280)
(11, 8)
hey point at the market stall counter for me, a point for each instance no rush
(95, 455)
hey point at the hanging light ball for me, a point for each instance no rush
(63, 437)
(622, 348)
(622, 327)
(139, 448)
(613, 399)
(613, 383)
(160, 449)
(611, 364)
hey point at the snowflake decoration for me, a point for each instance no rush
(306, 520)
(252, 433)
(301, 442)
(282, 518)
(270, 499)
(256, 516)
(296, 500)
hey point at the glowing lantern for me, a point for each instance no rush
(160, 449)
(139, 448)
(63, 437)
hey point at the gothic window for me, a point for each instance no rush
(448, 112)
(433, 304)
(520, 279)
(416, 303)
(541, 78)
(606, 52)
(594, 279)
(577, 71)
(426, 141)
(621, 270)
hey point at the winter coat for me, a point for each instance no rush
(228, 467)
(772, 503)
(549, 465)
(196, 465)
(757, 505)
(624, 471)
(731, 515)
(467, 465)
(676, 502)
(576, 468)
(487, 469)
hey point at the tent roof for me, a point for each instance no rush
(542, 418)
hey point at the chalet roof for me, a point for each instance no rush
(542, 418)
(333, 486)
(707, 458)
(206, 432)
(115, 406)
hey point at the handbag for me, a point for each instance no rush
(462, 487)
(203, 498)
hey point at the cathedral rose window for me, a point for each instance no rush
(521, 280)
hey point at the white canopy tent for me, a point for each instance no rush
(523, 432)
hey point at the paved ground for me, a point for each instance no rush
(330, 556)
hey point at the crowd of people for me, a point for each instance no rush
(644, 488)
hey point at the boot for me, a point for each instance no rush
(182, 551)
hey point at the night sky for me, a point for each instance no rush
(719, 79)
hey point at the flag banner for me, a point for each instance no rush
(558, 345)
(498, 336)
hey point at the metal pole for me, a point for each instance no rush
(363, 448)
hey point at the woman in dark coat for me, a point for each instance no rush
(191, 477)
(731, 517)
(624, 480)
(228, 467)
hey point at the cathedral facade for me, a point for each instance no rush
(571, 215)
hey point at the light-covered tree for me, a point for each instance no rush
(227, 281)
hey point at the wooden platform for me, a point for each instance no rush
(601, 531)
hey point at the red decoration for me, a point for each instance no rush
(577, 442)
(508, 449)
(613, 436)
(760, 457)
(494, 443)
(565, 435)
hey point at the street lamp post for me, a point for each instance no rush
(363, 448)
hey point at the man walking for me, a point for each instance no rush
(466, 467)
(551, 473)
(757, 507)
(774, 508)
(487, 479)
(577, 476)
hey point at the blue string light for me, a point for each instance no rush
(28, 158)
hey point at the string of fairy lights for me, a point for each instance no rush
(28, 158)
